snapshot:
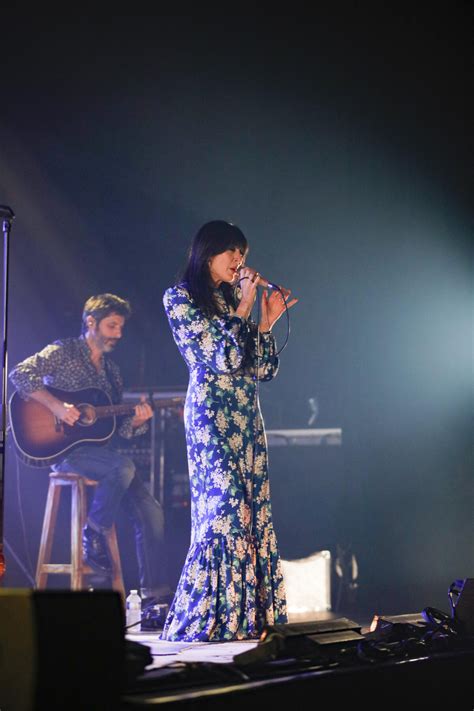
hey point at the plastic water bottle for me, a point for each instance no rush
(133, 611)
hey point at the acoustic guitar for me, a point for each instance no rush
(41, 439)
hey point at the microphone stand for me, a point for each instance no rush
(7, 216)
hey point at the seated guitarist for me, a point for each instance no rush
(84, 362)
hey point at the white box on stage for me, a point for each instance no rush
(308, 583)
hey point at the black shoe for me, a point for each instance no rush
(154, 617)
(96, 553)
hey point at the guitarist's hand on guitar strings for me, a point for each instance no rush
(66, 412)
(143, 412)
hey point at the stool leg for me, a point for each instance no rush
(47, 533)
(117, 577)
(78, 515)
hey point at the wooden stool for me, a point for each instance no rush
(77, 569)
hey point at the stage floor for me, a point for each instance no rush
(166, 653)
(208, 675)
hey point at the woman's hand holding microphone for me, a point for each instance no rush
(272, 305)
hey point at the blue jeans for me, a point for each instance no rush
(120, 487)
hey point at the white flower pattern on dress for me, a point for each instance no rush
(231, 584)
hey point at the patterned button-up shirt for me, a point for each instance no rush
(67, 365)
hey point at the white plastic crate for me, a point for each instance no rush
(308, 583)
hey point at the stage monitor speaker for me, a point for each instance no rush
(61, 650)
(415, 619)
(317, 639)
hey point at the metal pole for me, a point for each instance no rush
(7, 215)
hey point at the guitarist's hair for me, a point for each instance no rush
(103, 305)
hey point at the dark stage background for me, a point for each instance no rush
(341, 144)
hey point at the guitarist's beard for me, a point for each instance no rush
(109, 345)
(104, 344)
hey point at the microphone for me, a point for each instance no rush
(266, 284)
(263, 282)
(7, 212)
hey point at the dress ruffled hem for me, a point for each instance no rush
(230, 588)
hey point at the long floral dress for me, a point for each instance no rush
(231, 584)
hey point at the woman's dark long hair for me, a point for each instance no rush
(213, 238)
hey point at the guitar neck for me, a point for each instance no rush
(110, 410)
(129, 409)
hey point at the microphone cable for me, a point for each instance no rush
(257, 391)
(288, 326)
(258, 415)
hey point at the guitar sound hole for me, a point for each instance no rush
(88, 416)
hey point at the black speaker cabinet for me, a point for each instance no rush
(61, 650)
(462, 595)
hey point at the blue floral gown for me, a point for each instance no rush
(231, 584)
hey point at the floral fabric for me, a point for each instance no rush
(231, 584)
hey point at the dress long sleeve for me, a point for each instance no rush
(227, 344)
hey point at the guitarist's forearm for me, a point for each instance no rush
(47, 399)
(64, 411)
